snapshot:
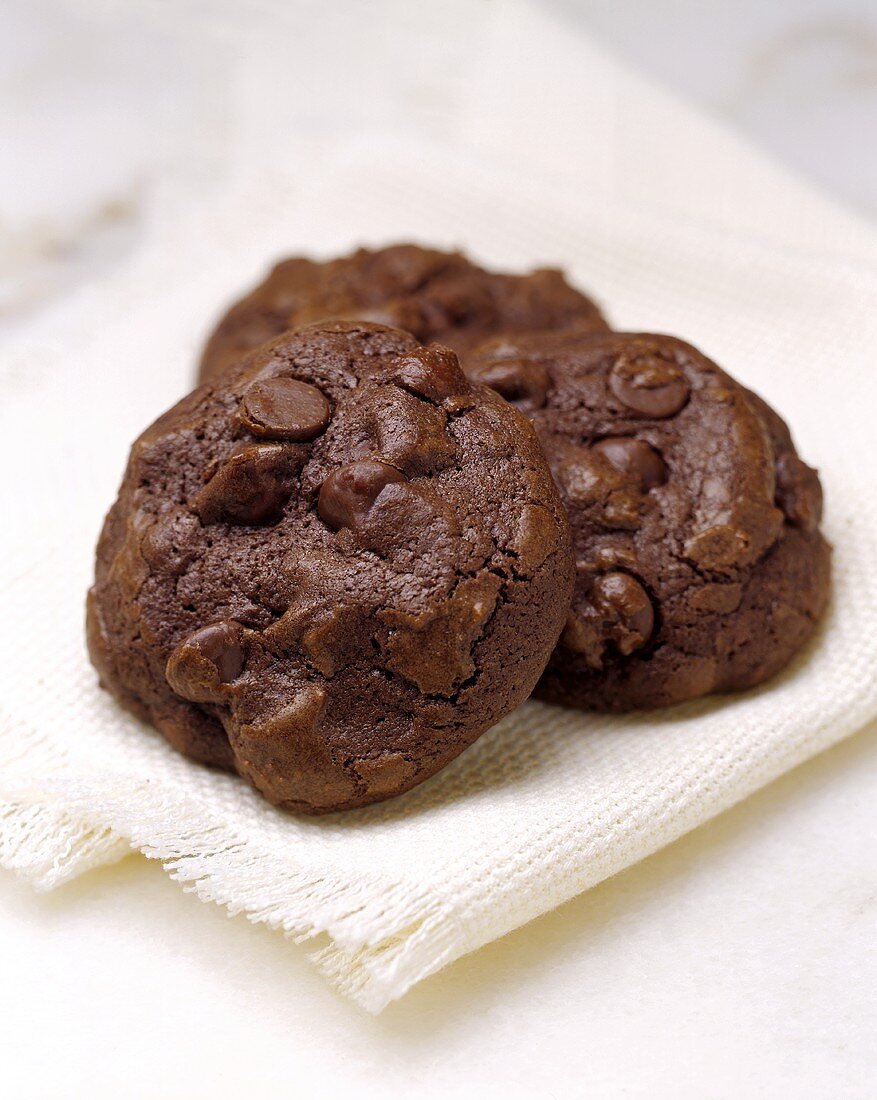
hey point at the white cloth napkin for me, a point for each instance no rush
(561, 157)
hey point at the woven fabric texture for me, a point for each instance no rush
(675, 227)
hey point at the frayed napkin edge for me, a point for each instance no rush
(374, 940)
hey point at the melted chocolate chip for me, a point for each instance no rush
(347, 494)
(205, 660)
(433, 373)
(523, 383)
(649, 384)
(627, 612)
(284, 408)
(636, 459)
(410, 434)
(590, 484)
(251, 487)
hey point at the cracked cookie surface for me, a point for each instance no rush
(700, 566)
(437, 296)
(333, 568)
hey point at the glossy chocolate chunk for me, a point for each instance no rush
(626, 609)
(635, 458)
(205, 660)
(649, 384)
(524, 384)
(411, 434)
(284, 408)
(251, 487)
(347, 494)
(433, 373)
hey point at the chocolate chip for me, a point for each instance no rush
(626, 610)
(635, 458)
(589, 484)
(433, 373)
(649, 384)
(284, 408)
(205, 660)
(523, 383)
(347, 494)
(410, 433)
(251, 487)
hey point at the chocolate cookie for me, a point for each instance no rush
(438, 296)
(332, 568)
(700, 564)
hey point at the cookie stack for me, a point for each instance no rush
(408, 493)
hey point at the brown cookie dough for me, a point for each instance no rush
(437, 296)
(700, 566)
(332, 568)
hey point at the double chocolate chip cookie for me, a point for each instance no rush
(437, 296)
(700, 566)
(332, 567)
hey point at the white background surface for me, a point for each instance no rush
(739, 962)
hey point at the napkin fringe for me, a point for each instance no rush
(377, 940)
(48, 846)
(42, 838)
